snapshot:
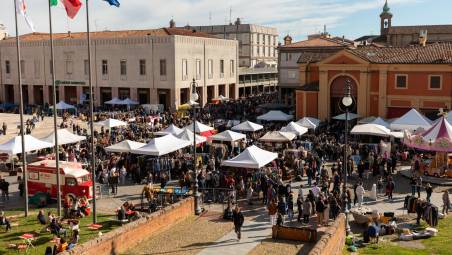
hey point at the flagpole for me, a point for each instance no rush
(55, 129)
(91, 110)
(21, 111)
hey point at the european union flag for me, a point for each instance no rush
(113, 2)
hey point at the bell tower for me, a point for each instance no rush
(385, 17)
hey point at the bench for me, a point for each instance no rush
(303, 234)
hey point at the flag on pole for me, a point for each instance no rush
(113, 2)
(72, 7)
(22, 10)
(53, 2)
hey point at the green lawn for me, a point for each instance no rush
(439, 245)
(43, 238)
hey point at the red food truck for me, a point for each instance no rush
(74, 180)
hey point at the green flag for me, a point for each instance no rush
(53, 2)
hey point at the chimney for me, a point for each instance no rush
(69, 34)
(172, 24)
(287, 40)
(238, 22)
(423, 37)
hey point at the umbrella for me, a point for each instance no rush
(64, 137)
(14, 146)
(111, 123)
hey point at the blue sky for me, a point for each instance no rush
(299, 18)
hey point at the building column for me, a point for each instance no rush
(61, 93)
(134, 94)
(45, 94)
(363, 88)
(31, 94)
(114, 92)
(324, 91)
(2, 93)
(96, 91)
(153, 96)
(176, 99)
(79, 91)
(16, 94)
(382, 96)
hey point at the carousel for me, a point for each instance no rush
(437, 140)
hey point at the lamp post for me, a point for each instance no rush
(193, 99)
(347, 101)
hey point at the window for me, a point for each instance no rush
(401, 81)
(86, 66)
(104, 67)
(184, 69)
(290, 56)
(71, 182)
(162, 67)
(33, 175)
(198, 69)
(7, 67)
(69, 66)
(435, 82)
(292, 74)
(142, 66)
(123, 67)
(210, 68)
(232, 67)
(221, 66)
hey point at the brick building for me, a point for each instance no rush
(386, 81)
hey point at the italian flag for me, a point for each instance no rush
(72, 7)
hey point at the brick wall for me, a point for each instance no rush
(129, 235)
(333, 241)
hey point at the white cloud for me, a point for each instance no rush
(299, 17)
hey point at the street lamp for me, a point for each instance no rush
(194, 97)
(347, 101)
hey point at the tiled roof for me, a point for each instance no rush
(318, 42)
(313, 57)
(432, 29)
(114, 34)
(437, 53)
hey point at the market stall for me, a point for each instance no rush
(125, 146)
(412, 120)
(295, 129)
(275, 116)
(252, 157)
(64, 137)
(309, 122)
(171, 129)
(247, 126)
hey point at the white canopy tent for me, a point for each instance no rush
(162, 145)
(371, 129)
(397, 134)
(199, 127)
(171, 129)
(124, 146)
(14, 145)
(366, 120)
(187, 135)
(128, 101)
(411, 121)
(351, 116)
(247, 126)
(252, 157)
(380, 121)
(277, 137)
(63, 106)
(308, 122)
(294, 128)
(113, 101)
(111, 123)
(275, 116)
(64, 137)
(228, 136)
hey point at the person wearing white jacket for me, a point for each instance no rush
(360, 194)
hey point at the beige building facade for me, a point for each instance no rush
(150, 66)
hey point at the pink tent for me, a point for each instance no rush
(437, 138)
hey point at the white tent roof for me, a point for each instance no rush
(14, 146)
(64, 106)
(187, 135)
(115, 100)
(412, 120)
(370, 129)
(380, 121)
(397, 134)
(162, 145)
(309, 123)
(64, 137)
(171, 129)
(275, 116)
(252, 157)
(247, 126)
(127, 101)
(199, 127)
(124, 146)
(228, 136)
(277, 136)
(111, 123)
(294, 128)
(351, 116)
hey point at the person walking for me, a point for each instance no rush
(272, 210)
(238, 219)
(290, 211)
(413, 185)
(320, 208)
(390, 188)
(429, 191)
(360, 194)
(418, 186)
(300, 207)
(446, 202)
(307, 210)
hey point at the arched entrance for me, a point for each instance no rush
(337, 90)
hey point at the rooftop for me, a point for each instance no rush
(434, 29)
(319, 42)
